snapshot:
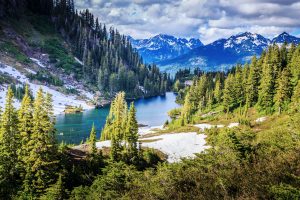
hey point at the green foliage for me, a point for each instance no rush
(131, 136)
(46, 77)
(55, 191)
(296, 98)
(113, 183)
(267, 83)
(92, 141)
(285, 192)
(9, 143)
(13, 50)
(108, 58)
(6, 79)
(59, 55)
(40, 166)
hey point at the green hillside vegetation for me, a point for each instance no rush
(256, 161)
(109, 63)
(266, 86)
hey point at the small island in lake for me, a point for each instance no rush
(73, 109)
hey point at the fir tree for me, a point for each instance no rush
(131, 135)
(228, 94)
(92, 141)
(42, 163)
(218, 91)
(25, 128)
(253, 83)
(284, 91)
(266, 89)
(186, 112)
(295, 105)
(55, 191)
(9, 143)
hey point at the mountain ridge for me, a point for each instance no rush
(163, 46)
(223, 53)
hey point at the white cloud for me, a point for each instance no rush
(207, 19)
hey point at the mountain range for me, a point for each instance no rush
(171, 53)
(163, 47)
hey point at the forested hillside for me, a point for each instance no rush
(270, 84)
(107, 61)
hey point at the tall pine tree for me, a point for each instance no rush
(9, 144)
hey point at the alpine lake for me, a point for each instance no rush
(75, 128)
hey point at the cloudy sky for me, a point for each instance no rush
(205, 19)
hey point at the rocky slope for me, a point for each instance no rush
(24, 61)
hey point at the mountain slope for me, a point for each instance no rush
(285, 37)
(69, 54)
(224, 53)
(162, 47)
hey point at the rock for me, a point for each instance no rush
(261, 119)
(231, 125)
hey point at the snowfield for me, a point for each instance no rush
(179, 145)
(149, 129)
(60, 100)
(174, 145)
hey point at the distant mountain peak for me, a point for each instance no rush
(164, 46)
(285, 37)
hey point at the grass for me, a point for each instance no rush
(59, 55)
(13, 50)
(45, 76)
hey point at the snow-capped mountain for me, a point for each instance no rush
(224, 53)
(247, 42)
(285, 37)
(163, 47)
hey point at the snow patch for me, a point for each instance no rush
(175, 146)
(59, 100)
(149, 129)
(261, 119)
(231, 125)
(3, 91)
(30, 71)
(38, 62)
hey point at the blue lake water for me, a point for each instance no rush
(74, 128)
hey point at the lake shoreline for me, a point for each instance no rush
(151, 112)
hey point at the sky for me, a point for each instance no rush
(207, 20)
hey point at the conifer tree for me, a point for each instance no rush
(92, 141)
(218, 91)
(55, 191)
(9, 143)
(42, 163)
(284, 90)
(266, 89)
(186, 112)
(294, 65)
(295, 105)
(228, 94)
(131, 135)
(253, 80)
(25, 129)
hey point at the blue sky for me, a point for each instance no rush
(205, 19)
